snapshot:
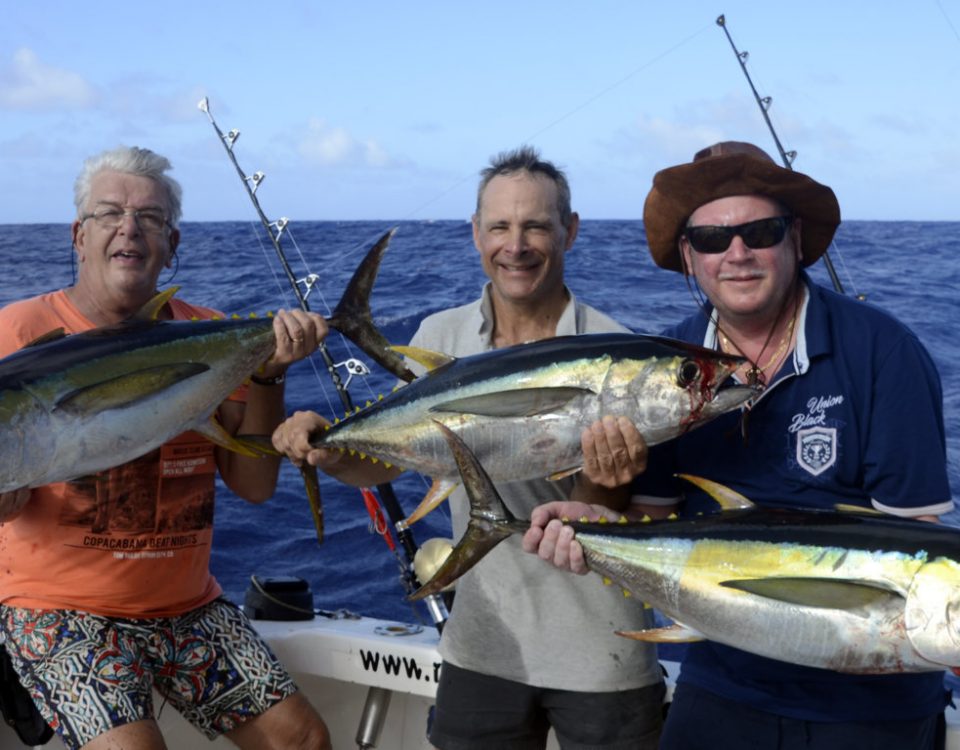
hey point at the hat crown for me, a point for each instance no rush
(732, 148)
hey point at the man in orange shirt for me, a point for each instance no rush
(105, 586)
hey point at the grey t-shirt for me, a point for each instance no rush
(514, 615)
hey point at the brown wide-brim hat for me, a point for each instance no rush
(734, 168)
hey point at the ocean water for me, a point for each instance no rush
(911, 269)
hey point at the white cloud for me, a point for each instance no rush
(329, 146)
(29, 84)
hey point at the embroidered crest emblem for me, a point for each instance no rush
(817, 449)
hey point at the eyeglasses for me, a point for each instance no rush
(149, 220)
(755, 234)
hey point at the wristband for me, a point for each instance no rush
(275, 380)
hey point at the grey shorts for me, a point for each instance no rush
(89, 674)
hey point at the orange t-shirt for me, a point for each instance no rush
(133, 541)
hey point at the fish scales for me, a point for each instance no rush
(72, 406)
(851, 591)
(522, 409)
(684, 579)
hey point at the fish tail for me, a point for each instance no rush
(490, 520)
(352, 316)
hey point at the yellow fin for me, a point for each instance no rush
(563, 473)
(429, 359)
(312, 486)
(254, 446)
(152, 309)
(671, 634)
(727, 498)
(55, 335)
(827, 593)
(848, 508)
(438, 492)
(128, 389)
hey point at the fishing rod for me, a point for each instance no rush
(388, 499)
(786, 156)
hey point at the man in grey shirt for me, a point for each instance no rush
(526, 646)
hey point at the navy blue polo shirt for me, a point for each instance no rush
(854, 416)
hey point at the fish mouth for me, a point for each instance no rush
(728, 396)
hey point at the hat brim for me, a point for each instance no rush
(679, 191)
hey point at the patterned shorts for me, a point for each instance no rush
(90, 673)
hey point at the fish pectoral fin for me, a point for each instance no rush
(827, 593)
(439, 491)
(55, 335)
(429, 359)
(254, 446)
(675, 633)
(521, 402)
(128, 389)
(726, 497)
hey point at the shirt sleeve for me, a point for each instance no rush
(904, 461)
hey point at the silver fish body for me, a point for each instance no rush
(93, 400)
(853, 592)
(521, 409)
(839, 591)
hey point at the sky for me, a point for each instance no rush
(388, 110)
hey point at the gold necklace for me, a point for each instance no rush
(755, 373)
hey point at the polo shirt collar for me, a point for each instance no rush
(813, 327)
(483, 319)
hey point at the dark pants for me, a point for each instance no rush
(700, 720)
(478, 712)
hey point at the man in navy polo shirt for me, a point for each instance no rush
(850, 412)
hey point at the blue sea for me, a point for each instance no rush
(911, 269)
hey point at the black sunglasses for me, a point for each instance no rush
(755, 234)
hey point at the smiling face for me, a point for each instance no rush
(745, 284)
(119, 266)
(521, 239)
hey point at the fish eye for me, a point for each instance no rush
(688, 373)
